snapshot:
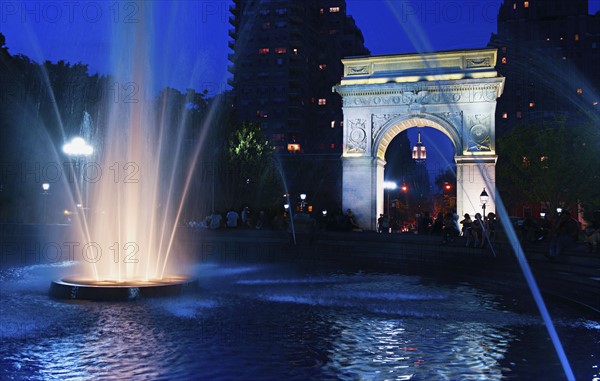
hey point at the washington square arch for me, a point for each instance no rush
(454, 92)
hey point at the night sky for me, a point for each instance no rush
(191, 36)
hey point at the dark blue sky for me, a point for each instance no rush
(190, 36)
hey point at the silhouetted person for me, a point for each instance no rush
(424, 223)
(438, 225)
(450, 230)
(592, 233)
(564, 234)
(466, 225)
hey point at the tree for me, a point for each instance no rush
(250, 176)
(446, 183)
(550, 162)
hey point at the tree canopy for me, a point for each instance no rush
(554, 163)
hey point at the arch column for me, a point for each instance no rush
(473, 174)
(362, 178)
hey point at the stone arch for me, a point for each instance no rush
(403, 122)
(454, 92)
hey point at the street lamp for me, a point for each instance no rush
(78, 148)
(45, 188)
(302, 199)
(389, 185)
(559, 210)
(483, 197)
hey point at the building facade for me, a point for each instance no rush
(549, 52)
(286, 57)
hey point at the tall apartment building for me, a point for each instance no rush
(286, 58)
(549, 52)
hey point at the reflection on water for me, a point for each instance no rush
(274, 323)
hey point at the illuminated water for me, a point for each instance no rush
(140, 169)
(286, 322)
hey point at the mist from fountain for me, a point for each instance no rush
(142, 171)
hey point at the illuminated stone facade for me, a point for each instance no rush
(454, 92)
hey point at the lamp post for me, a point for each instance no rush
(302, 200)
(77, 149)
(45, 188)
(389, 185)
(483, 197)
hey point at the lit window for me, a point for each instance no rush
(580, 91)
(322, 101)
(576, 36)
(561, 38)
(526, 4)
(503, 60)
(263, 51)
(525, 161)
(334, 9)
(547, 38)
(332, 146)
(333, 124)
(295, 50)
(595, 103)
(519, 115)
(564, 58)
(280, 50)
(531, 104)
(514, 5)
(504, 115)
(321, 11)
(293, 147)
(322, 67)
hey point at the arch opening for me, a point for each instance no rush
(413, 188)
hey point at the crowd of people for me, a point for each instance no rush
(268, 219)
(477, 231)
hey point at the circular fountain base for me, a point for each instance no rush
(85, 289)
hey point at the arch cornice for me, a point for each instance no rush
(424, 92)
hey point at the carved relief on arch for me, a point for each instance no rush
(377, 123)
(478, 131)
(356, 140)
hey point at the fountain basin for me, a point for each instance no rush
(87, 289)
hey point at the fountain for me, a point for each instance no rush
(131, 192)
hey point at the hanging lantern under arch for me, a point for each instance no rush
(419, 152)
